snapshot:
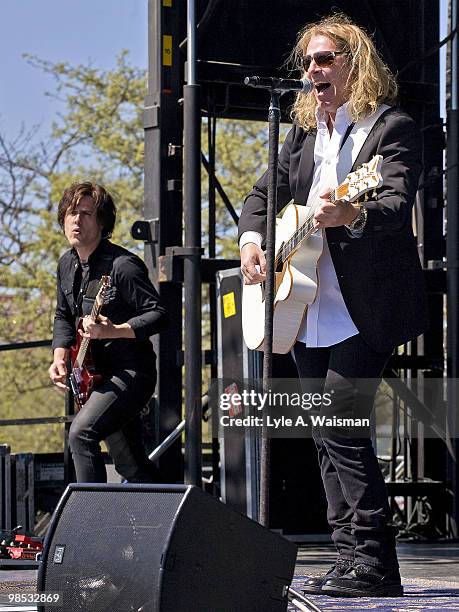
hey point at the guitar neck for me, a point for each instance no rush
(366, 177)
(85, 342)
(303, 232)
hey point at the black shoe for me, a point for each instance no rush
(365, 581)
(313, 585)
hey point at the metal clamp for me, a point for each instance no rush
(146, 230)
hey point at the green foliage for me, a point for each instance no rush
(99, 137)
(241, 157)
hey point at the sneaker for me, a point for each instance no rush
(313, 585)
(363, 580)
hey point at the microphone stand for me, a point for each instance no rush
(273, 157)
(276, 87)
(296, 598)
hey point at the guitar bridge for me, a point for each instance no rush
(77, 395)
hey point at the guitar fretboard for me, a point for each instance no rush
(302, 233)
(96, 308)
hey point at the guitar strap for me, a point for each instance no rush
(335, 169)
(346, 134)
(353, 142)
(84, 284)
(89, 288)
(80, 284)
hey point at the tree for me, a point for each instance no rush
(99, 136)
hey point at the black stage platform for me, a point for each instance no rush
(430, 575)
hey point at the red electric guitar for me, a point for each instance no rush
(83, 377)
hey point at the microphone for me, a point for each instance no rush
(303, 85)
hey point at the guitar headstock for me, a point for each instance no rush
(366, 178)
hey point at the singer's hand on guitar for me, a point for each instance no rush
(334, 214)
(104, 329)
(253, 264)
(58, 369)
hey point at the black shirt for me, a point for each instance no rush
(131, 299)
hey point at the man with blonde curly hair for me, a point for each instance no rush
(370, 295)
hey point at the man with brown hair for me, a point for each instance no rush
(120, 345)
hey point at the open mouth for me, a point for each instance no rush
(320, 87)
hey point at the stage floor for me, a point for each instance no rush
(430, 575)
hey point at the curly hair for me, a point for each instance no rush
(103, 201)
(370, 81)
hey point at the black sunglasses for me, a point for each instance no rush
(321, 58)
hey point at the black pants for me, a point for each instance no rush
(112, 414)
(358, 510)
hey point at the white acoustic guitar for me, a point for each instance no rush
(298, 248)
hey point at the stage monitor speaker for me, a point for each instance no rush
(148, 548)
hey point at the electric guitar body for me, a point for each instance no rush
(83, 376)
(83, 379)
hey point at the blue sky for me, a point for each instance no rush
(60, 30)
(68, 30)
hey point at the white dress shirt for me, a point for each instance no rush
(327, 319)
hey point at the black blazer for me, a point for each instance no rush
(379, 272)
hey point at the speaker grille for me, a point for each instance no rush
(147, 548)
(110, 563)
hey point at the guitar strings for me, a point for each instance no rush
(94, 313)
(300, 234)
(304, 231)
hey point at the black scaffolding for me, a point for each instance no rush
(239, 38)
